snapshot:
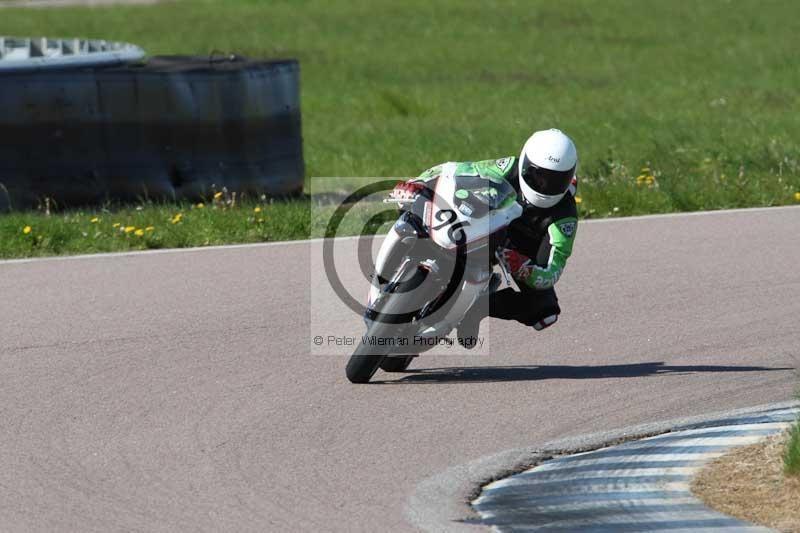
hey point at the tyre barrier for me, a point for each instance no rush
(173, 127)
(40, 53)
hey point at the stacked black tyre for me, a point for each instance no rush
(168, 128)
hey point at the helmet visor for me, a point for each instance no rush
(546, 181)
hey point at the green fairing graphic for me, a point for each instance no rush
(562, 237)
(492, 169)
(562, 231)
(433, 172)
(466, 168)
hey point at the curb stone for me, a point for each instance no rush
(441, 502)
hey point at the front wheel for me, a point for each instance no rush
(373, 349)
(397, 363)
(368, 357)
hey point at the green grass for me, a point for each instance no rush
(703, 94)
(791, 458)
(150, 226)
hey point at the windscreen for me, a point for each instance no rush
(475, 196)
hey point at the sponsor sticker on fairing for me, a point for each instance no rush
(465, 208)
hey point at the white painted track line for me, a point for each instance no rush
(308, 241)
(637, 486)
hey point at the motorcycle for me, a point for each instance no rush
(434, 265)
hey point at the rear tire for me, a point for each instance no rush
(396, 364)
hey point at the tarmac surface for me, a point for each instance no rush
(181, 391)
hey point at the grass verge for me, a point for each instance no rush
(151, 226)
(674, 106)
(791, 457)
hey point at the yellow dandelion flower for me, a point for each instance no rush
(578, 199)
(797, 196)
(26, 230)
(217, 195)
(116, 225)
(200, 205)
(257, 210)
(129, 229)
(139, 233)
(95, 220)
(149, 228)
(177, 218)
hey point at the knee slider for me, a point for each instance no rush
(546, 322)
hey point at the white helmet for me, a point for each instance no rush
(546, 167)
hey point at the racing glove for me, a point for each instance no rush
(407, 190)
(520, 266)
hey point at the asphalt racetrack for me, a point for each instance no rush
(178, 391)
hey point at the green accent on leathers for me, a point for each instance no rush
(562, 232)
(562, 237)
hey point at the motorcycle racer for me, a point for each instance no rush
(540, 241)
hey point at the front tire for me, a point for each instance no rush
(396, 364)
(367, 358)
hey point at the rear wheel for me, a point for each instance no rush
(396, 363)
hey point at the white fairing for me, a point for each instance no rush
(466, 298)
(389, 242)
(386, 246)
(476, 229)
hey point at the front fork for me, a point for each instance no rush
(395, 247)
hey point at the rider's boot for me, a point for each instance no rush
(546, 322)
